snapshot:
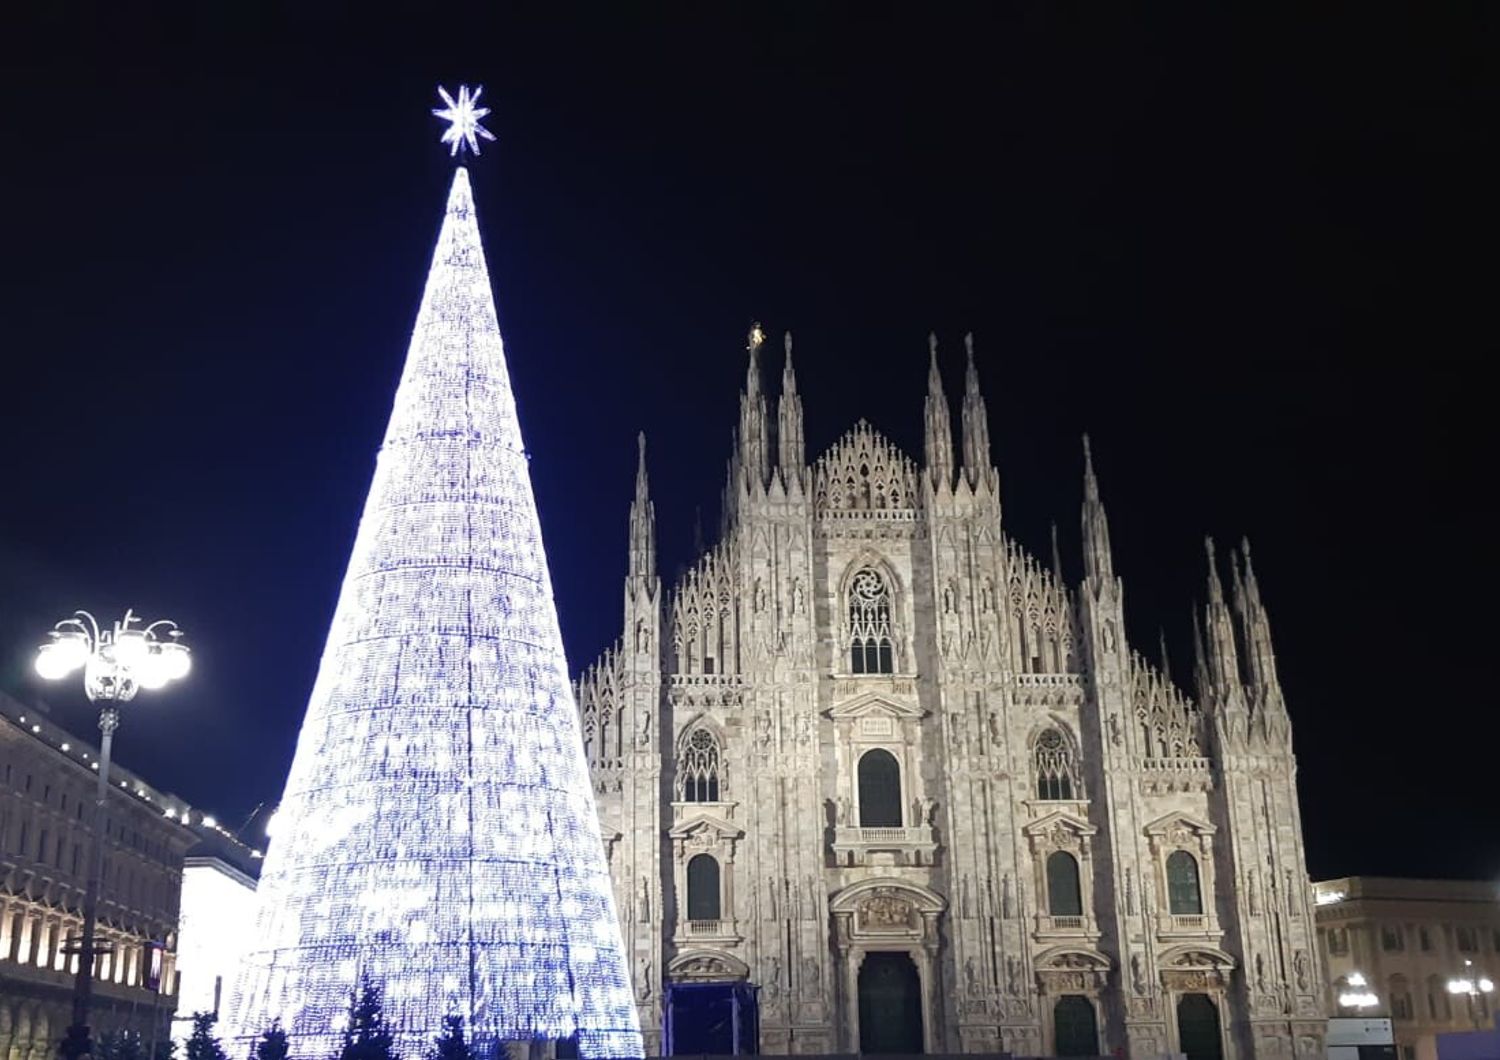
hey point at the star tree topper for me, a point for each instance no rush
(463, 117)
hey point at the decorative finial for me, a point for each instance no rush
(932, 342)
(969, 344)
(1088, 457)
(786, 342)
(757, 337)
(463, 117)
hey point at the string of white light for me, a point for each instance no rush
(438, 832)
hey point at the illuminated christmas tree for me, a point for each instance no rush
(437, 837)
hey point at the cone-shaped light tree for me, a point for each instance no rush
(437, 836)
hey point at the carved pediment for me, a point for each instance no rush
(1197, 957)
(1071, 958)
(872, 704)
(1178, 820)
(918, 897)
(705, 827)
(707, 965)
(1058, 828)
(1179, 830)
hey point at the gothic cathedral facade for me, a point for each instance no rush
(874, 779)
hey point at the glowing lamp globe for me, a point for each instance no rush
(72, 648)
(52, 663)
(131, 647)
(151, 672)
(175, 659)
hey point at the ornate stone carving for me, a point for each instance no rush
(884, 911)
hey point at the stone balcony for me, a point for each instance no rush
(722, 932)
(1187, 925)
(898, 845)
(1060, 928)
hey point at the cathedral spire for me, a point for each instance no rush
(754, 441)
(1255, 631)
(1166, 656)
(1098, 561)
(1057, 574)
(976, 425)
(1221, 658)
(642, 522)
(939, 428)
(793, 449)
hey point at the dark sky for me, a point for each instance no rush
(1252, 255)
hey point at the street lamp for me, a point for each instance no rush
(116, 664)
(1473, 985)
(1357, 993)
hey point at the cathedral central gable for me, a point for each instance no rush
(864, 471)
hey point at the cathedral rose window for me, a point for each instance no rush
(870, 624)
(698, 770)
(1055, 774)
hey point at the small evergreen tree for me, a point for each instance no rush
(366, 1036)
(119, 1045)
(202, 1044)
(272, 1044)
(451, 1044)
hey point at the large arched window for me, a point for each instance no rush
(879, 790)
(1184, 897)
(1064, 898)
(703, 887)
(1400, 998)
(1438, 1005)
(870, 624)
(698, 768)
(1056, 775)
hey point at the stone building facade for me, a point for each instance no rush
(1407, 940)
(873, 765)
(47, 784)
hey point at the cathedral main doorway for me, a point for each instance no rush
(1075, 1031)
(890, 1004)
(1198, 1034)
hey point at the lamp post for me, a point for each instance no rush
(1473, 985)
(116, 664)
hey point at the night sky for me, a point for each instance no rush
(1253, 257)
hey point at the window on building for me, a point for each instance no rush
(1184, 897)
(870, 624)
(1064, 897)
(703, 887)
(1392, 940)
(1466, 939)
(1338, 942)
(1056, 775)
(698, 769)
(879, 790)
(1400, 998)
(1424, 938)
(1439, 1007)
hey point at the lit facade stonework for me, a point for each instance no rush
(1408, 938)
(46, 815)
(869, 754)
